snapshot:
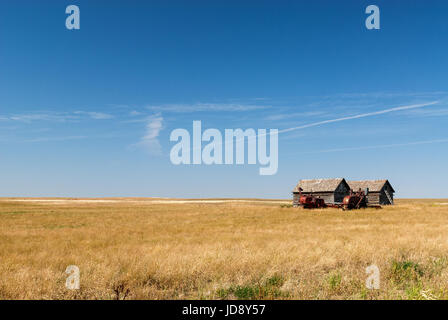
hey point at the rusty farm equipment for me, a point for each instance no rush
(310, 201)
(355, 200)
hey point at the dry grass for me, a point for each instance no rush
(136, 249)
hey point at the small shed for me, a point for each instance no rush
(331, 190)
(380, 191)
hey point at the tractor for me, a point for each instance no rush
(310, 202)
(355, 200)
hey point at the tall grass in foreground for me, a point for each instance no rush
(137, 250)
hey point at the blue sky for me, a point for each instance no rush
(89, 112)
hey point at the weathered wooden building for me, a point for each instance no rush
(331, 190)
(380, 191)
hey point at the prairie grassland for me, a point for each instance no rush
(141, 249)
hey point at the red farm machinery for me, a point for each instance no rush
(311, 202)
(355, 200)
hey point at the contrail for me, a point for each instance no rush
(363, 115)
(379, 146)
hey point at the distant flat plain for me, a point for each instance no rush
(158, 248)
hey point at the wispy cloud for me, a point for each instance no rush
(363, 115)
(41, 139)
(206, 107)
(31, 117)
(134, 113)
(55, 116)
(386, 94)
(95, 115)
(358, 116)
(439, 112)
(150, 140)
(282, 116)
(378, 146)
(49, 139)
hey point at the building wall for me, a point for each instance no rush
(391, 194)
(384, 200)
(295, 198)
(373, 198)
(379, 198)
(341, 191)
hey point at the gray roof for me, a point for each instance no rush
(373, 185)
(318, 185)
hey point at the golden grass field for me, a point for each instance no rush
(159, 249)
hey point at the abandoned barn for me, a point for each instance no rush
(380, 191)
(331, 190)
